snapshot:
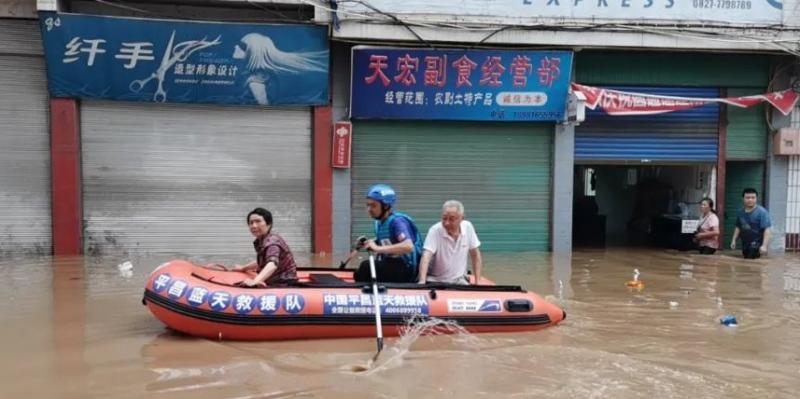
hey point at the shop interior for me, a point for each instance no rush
(638, 205)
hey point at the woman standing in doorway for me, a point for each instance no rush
(707, 235)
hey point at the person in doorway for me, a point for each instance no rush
(446, 247)
(707, 235)
(397, 243)
(274, 262)
(753, 224)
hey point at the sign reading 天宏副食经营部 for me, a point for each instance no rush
(481, 85)
(183, 61)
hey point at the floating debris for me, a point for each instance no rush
(635, 283)
(729, 321)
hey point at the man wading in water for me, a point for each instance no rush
(753, 223)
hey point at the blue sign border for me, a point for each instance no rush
(452, 84)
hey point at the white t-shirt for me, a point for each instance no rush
(449, 261)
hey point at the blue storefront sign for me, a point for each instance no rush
(185, 62)
(482, 85)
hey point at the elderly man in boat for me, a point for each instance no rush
(397, 244)
(447, 245)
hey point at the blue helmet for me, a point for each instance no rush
(382, 193)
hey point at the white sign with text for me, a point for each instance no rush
(702, 11)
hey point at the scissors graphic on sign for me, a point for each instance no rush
(172, 54)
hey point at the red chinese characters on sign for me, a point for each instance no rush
(436, 71)
(464, 67)
(377, 63)
(520, 69)
(549, 71)
(406, 66)
(342, 140)
(491, 70)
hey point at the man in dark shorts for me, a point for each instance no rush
(753, 225)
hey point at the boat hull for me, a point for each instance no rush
(326, 303)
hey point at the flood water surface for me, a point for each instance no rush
(76, 328)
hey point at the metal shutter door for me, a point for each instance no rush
(501, 172)
(675, 137)
(180, 179)
(747, 130)
(25, 213)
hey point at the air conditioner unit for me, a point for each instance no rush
(787, 141)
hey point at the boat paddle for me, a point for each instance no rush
(356, 246)
(376, 301)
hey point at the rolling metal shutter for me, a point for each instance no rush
(500, 171)
(747, 132)
(675, 137)
(180, 179)
(24, 142)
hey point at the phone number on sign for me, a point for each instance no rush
(526, 115)
(723, 4)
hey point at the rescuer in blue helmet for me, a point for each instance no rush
(397, 244)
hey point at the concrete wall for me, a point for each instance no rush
(17, 8)
(209, 10)
(563, 160)
(340, 54)
(777, 181)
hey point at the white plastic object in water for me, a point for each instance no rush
(125, 266)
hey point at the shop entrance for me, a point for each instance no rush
(634, 205)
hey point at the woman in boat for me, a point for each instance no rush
(707, 235)
(274, 260)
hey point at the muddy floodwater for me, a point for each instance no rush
(76, 328)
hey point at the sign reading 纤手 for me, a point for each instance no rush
(133, 59)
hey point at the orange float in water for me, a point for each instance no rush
(326, 303)
(638, 284)
(635, 283)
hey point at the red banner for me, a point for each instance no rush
(616, 102)
(342, 140)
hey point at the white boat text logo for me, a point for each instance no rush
(473, 305)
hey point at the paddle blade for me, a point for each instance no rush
(380, 348)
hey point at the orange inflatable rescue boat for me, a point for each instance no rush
(326, 303)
